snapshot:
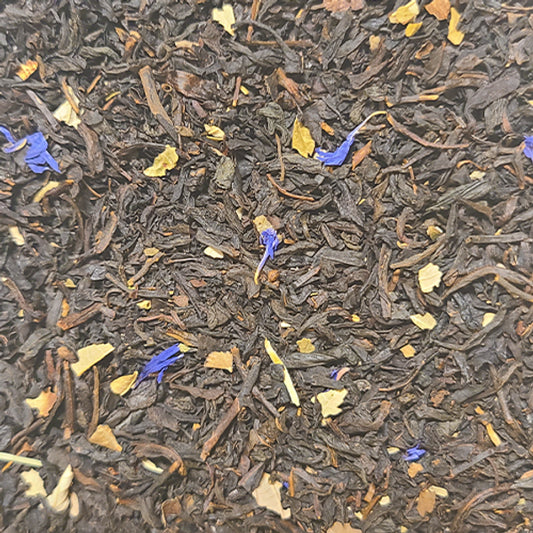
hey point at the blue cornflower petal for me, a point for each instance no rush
(334, 373)
(413, 454)
(160, 363)
(528, 147)
(37, 157)
(338, 157)
(269, 239)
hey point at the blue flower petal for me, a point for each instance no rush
(528, 147)
(269, 239)
(7, 134)
(413, 454)
(160, 363)
(337, 157)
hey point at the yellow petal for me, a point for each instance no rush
(454, 35)
(27, 69)
(16, 235)
(221, 360)
(59, 499)
(65, 113)
(302, 141)
(429, 277)
(48, 187)
(103, 436)
(213, 252)
(408, 351)
(426, 321)
(35, 483)
(214, 132)
(225, 17)
(123, 384)
(412, 28)
(487, 319)
(274, 357)
(268, 495)
(330, 401)
(405, 14)
(43, 403)
(305, 345)
(89, 356)
(166, 160)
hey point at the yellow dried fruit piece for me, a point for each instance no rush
(59, 499)
(214, 132)
(441, 492)
(408, 351)
(103, 436)
(213, 252)
(262, 223)
(16, 236)
(268, 495)
(123, 384)
(89, 356)
(302, 141)
(405, 14)
(426, 321)
(330, 401)
(412, 28)
(287, 381)
(166, 160)
(454, 35)
(48, 187)
(44, 402)
(220, 360)
(429, 277)
(35, 483)
(305, 345)
(487, 319)
(27, 69)
(225, 17)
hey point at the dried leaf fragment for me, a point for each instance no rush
(59, 499)
(103, 436)
(225, 17)
(305, 345)
(302, 141)
(214, 132)
(426, 321)
(426, 502)
(339, 527)
(220, 360)
(27, 69)
(123, 384)
(287, 378)
(429, 277)
(35, 483)
(166, 160)
(268, 495)
(90, 355)
(44, 402)
(405, 14)
(439, 9)
(454, 35)
(330, 401)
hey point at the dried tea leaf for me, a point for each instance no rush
(454, 35)
(426, 502)
(414, 469)
(89, 356)
(412, 28)
(408, 351)
(213, 252)
(59, 499)
(287, 378)
(221, 360)
(44, 402)
(16, 236)
(27, 69)
(268, 495)
(33, 479)
(487, 319)
(339, 527)
(302, 141)
(214, 132)
(225, 17)
(439, 9)
(330, 401)
(65, 112)
(429, 277)
(103, 436)
(166, 160)
(305, 345)
(123, 384)
(48, 187)
(426, 321)
(405, 14)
